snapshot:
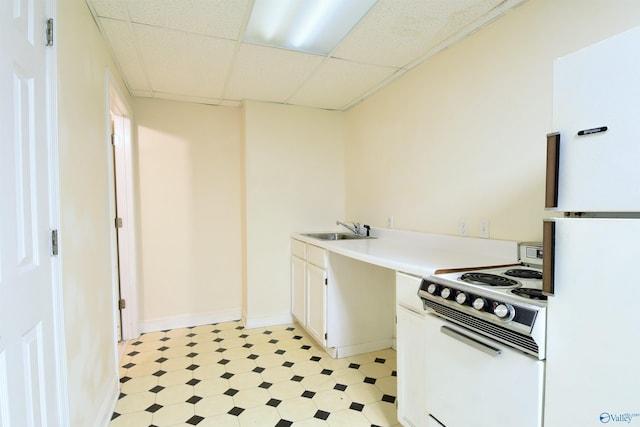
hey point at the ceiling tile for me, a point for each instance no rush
(192, 49)
(115, 9)
(397, 32)
(269, 74)
(338, 83)
(187, 64)
(121, 40)
(219, 18)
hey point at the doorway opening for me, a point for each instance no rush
(124, 249)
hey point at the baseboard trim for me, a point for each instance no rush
(188, 320)
(352, 350)
(260, 322)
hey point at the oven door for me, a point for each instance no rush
(476, 382)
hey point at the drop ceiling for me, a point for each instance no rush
(193, 50)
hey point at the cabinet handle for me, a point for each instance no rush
(478, 345)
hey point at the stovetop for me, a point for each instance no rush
(518, 283)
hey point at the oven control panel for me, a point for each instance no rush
(479, 305)
(518, 325)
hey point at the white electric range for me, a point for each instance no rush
(485, 338)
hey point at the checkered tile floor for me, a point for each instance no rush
(225, 375)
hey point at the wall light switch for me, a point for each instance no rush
(484, 228)
(462, 228)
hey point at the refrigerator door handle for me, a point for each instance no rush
(548, 256)
(553, 167)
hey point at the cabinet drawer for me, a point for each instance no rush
(298, 248)
(317, 256)
(407, 292)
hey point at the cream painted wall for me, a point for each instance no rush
(86, 223)
(431, 149)
(190, 206)
(294, 181)
(462, 137)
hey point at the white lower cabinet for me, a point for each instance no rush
(411, 348)
(316, 303)
(309, 288)
(298, 289)
(299, 281)
(411, 376)
(347, 305)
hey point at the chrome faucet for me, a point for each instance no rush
(355, 229)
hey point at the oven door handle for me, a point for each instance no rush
(478, 345)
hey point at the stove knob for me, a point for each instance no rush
(479, 303)
(445, 293)
(502, 311)
(461, 298)
(432, 288)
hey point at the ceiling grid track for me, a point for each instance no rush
(197, 53)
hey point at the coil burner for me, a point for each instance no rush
(486, 279)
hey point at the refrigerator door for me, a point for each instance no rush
(596, 109)
(592, 370)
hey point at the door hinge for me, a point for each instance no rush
(325, 335)
(122, 304)
(54, 242)
(49, 32)
(326, 281)
(118, 222)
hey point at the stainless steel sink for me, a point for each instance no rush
(335, 236)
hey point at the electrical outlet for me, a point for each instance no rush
(462, 228)
(484, 228)
(390, 221)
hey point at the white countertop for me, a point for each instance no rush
(421, 254)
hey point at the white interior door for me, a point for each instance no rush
(29, 390)
(121, 265)
(125, 210)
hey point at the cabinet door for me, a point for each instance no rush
(316, 303)
(410, 346)
(298, 291)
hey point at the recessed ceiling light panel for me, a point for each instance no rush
(314, 26)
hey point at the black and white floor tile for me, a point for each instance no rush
(224, 375)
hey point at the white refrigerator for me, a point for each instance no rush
(592, 247)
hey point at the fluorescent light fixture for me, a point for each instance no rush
(314, 26)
